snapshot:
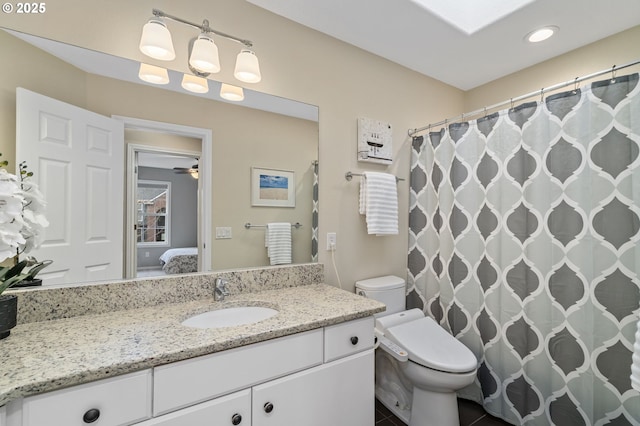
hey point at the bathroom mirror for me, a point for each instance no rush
(263, 132)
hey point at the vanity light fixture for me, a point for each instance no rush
(153, 74)
(204, 55)
(156, 42)
(195, 84)
(247, 67)
(231, 92)
(541, 34)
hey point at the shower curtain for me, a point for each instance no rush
(314, 214)
(524, 244)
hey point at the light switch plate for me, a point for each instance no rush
(223, 232)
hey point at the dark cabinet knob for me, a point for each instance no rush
(354, 340)
(91, 415)
(268, 407)
(236, 419)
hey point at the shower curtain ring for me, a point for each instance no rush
(542, 95)
(613, 74)
(485, 111)
(511, 103)
(575, 86)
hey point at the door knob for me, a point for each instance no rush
(268, 407)
(354, 340)
(236, 419)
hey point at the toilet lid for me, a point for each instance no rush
(430, 345)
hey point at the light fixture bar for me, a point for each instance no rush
(204, 27)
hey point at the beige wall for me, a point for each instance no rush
(619, 49)
(298, 63)
(345, 82)
(24, 67)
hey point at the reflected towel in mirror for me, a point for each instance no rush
(278, 243)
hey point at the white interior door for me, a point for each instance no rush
(77, 157)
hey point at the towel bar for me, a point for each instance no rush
(348, 176)
(248, 225)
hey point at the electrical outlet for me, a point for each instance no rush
(331, 241)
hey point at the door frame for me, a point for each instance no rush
(205, 190)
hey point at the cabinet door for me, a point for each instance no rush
(340, 393)
(234, 409)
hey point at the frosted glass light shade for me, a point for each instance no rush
(153, 74)
(195, 84)
(635, 365)
(231, 93)
(204, 55)
(247, 67)
(156, 41)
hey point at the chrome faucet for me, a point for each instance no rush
(220, 290)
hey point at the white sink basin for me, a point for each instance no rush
(230, 317)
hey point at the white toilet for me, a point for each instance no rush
(419, 365)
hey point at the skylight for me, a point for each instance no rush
(471, 16)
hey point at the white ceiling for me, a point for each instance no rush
(467, 53)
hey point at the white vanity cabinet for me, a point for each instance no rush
(313, 378)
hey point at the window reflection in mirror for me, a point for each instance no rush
(153, 202)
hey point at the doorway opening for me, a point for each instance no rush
(161, 156)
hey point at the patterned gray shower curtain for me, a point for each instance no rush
(524, 244)
(314, 214)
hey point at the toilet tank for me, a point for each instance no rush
(389, 290)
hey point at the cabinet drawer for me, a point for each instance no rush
(234, 409)
(119, 401)
(199, 379)
(348, 338)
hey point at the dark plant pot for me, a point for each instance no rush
(32, 283)
(8, 314)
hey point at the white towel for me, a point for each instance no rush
(278, 242)
(379, 202)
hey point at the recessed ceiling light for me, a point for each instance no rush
(541, 34)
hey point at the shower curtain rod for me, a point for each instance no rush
(540, 92)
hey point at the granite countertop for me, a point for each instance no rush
(49, 355)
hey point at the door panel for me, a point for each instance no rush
(77, 157)
(340, 393)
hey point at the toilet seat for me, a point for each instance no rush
(432, 346)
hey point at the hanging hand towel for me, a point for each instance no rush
(379, 202)
(278, 242)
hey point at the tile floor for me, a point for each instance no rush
(471, 414)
